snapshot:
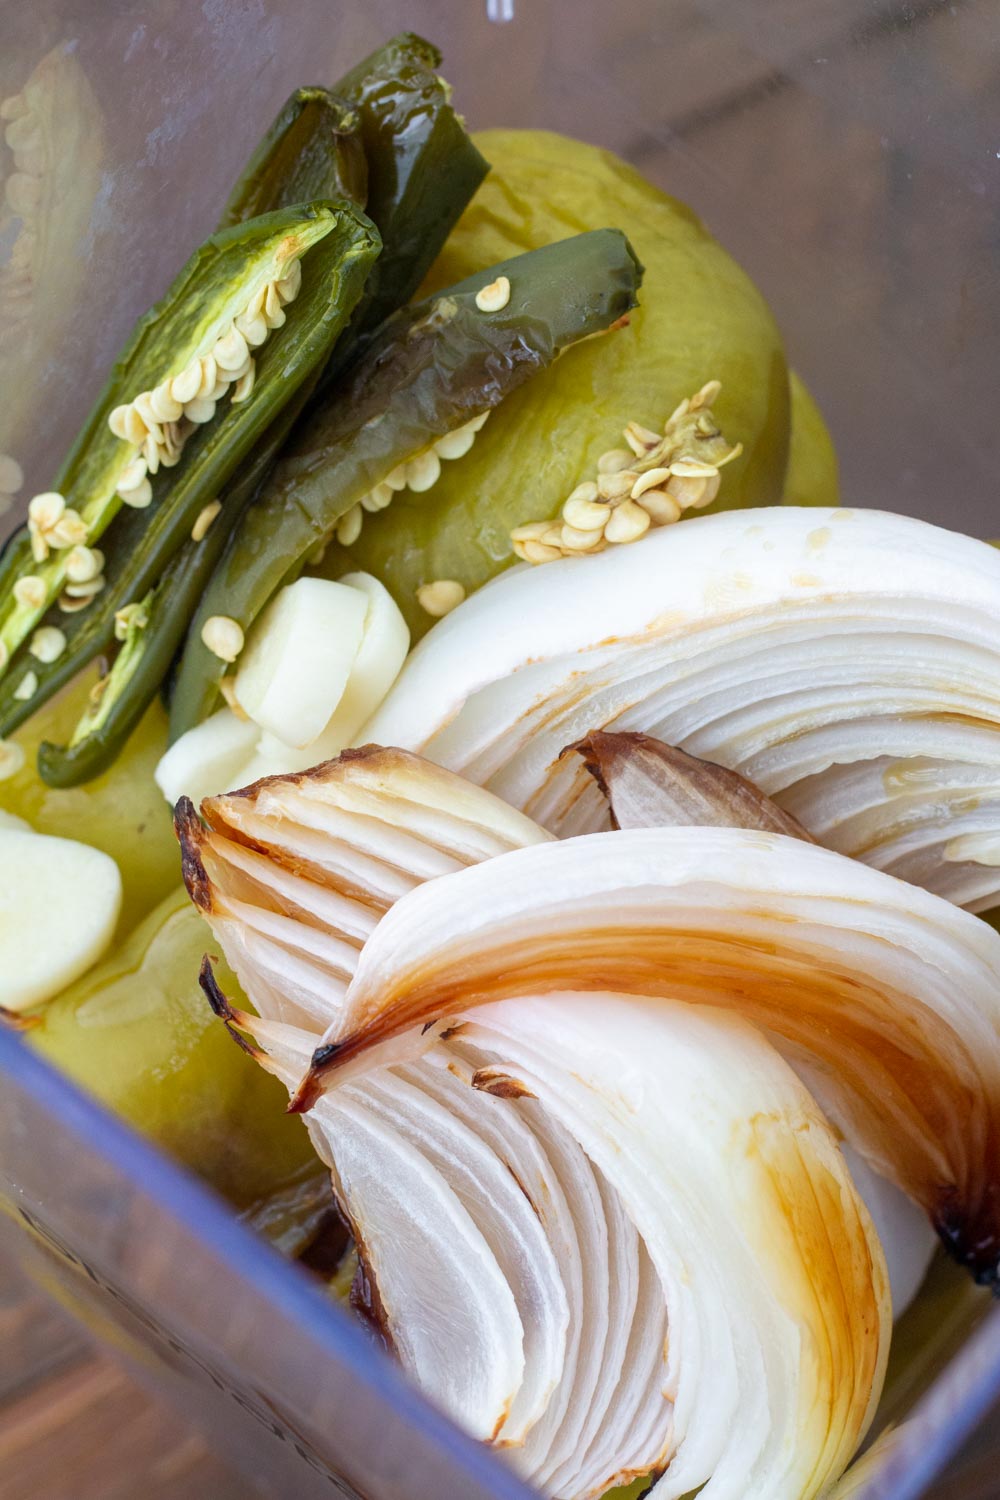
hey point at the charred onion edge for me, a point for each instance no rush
(190, 834)
(317, 772)
(599, 751)
(365, 1297)
(231, 1018)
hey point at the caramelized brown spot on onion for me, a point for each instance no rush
(500, 1085)
(887, 1050)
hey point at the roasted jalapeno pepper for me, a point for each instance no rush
(416, 395)
(313, 150)
(230, 276)
(398, 133)
(423, 169)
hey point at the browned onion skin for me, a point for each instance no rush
(650, 784)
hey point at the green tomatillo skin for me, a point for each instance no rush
(136, 1033)
(813, 475)
(700, 318)
(429, 371)
(121, 812)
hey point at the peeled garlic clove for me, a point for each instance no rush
(383, 650)
(208, 759)
(298, 658)
(59, 902)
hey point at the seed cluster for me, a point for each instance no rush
(652, 482)
(418, 474)
(159, 422)
(53, 526)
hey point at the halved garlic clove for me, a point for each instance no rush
(208, 759)
(298, 658)
(59, 902)
(385, 643)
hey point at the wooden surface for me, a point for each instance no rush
(74, 1427)
(89, 1433)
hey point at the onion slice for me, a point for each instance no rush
(890, 994)
(605, 1220)
(795, 646)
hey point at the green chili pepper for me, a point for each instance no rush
(113, 712)
(142, 545)
(428, 372)
(422, 171)
(144, 660)
(216, 286)
(312, 150)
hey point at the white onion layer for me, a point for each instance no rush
(786, 644)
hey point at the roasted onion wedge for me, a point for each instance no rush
(460, 961)
(847, 662)
(888, 997)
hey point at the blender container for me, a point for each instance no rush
(848, 153)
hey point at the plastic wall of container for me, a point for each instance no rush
(848, 152)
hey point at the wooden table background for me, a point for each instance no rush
(72, 1426)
